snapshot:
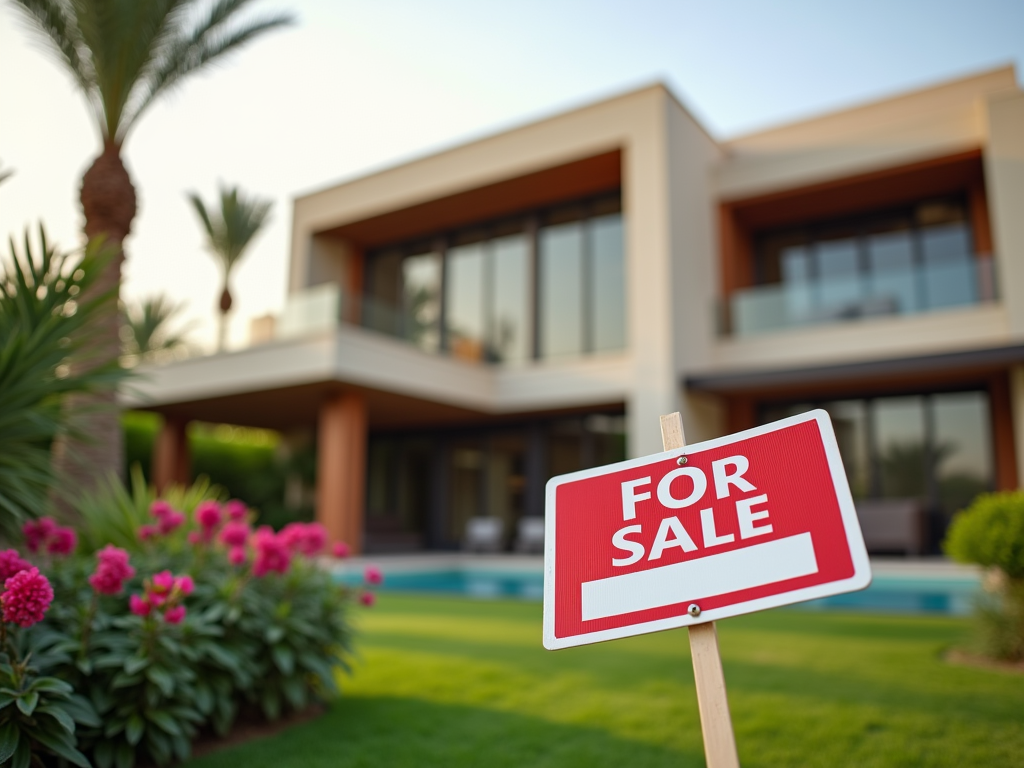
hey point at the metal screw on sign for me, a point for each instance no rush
(681, 461)
(693, 610)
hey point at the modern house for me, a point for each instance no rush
(464, 326)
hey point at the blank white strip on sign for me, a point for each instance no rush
(718, 574)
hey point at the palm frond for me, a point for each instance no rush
(232, 228)
(146, 329)
(46, 308)
(124, 53)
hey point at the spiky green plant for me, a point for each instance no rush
(146, 329)
(124, 55)
(47, 305)
(229, 231)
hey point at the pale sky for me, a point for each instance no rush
(355, 86)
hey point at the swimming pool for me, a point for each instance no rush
(886, 594)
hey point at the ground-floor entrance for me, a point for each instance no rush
(424, 486)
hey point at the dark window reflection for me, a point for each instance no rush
(936, 449)
(548, 284)
(902, 261)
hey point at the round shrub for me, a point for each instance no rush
(990, 533)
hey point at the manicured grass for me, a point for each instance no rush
(453, 682)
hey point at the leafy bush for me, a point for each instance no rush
(990, 533)
(197, 621)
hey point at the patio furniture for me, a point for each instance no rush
(892, 525)
(483, 534)
(530, 535)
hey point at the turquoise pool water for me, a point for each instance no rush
(886, 594)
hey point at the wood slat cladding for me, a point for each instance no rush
(582, 178)
(741, 220)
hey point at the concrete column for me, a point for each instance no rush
(170, 455)
(1004, 180)
(341, 468)
(1017, 410)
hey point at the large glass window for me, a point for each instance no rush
(550, 284)
(421, 279)
(934, 448)
(561, 289)
(425, 486)
(509, 330)
(582, 281)
(465, 293)
(608, 280)
(915, 259)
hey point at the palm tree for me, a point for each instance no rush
(228, 233)
(124, 55)
(145, 330)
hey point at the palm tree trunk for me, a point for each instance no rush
(225, 307)
(109, 204)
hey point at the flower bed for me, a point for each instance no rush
(125, 654)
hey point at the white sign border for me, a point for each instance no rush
(861, 565)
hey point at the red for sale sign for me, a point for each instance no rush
(746, 522)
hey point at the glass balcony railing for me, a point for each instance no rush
(900, 291)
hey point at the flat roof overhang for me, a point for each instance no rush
(283, 384)
(943, 369)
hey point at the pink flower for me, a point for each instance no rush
(171, 521)
(236, 555)
(174, 615)
(160, 509)
(373, 575)
(162, 583)
(112, 571)
(272, 555)
(45, 533)
(184, 585)
(340, 549)
(28, 596)
(11, 563)
(368, 599)
(37, 532)
(208, 515)
(194, 537)
(139, 605)
(314, 540)
(304, 538)
(62, 542)
(236, 510)
(235, 534)
(147, 532)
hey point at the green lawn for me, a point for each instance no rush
(452, 682)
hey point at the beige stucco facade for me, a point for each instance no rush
(674, 180)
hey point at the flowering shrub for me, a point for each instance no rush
(197, 621)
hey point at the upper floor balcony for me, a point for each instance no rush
(908, 260)
(905, 289)
(547, 285)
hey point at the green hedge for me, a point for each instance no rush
(246, 463)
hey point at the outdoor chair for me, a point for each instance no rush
(892, 525)
(530, 535)
(483, 534)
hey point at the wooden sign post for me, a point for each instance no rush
(712, 699)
